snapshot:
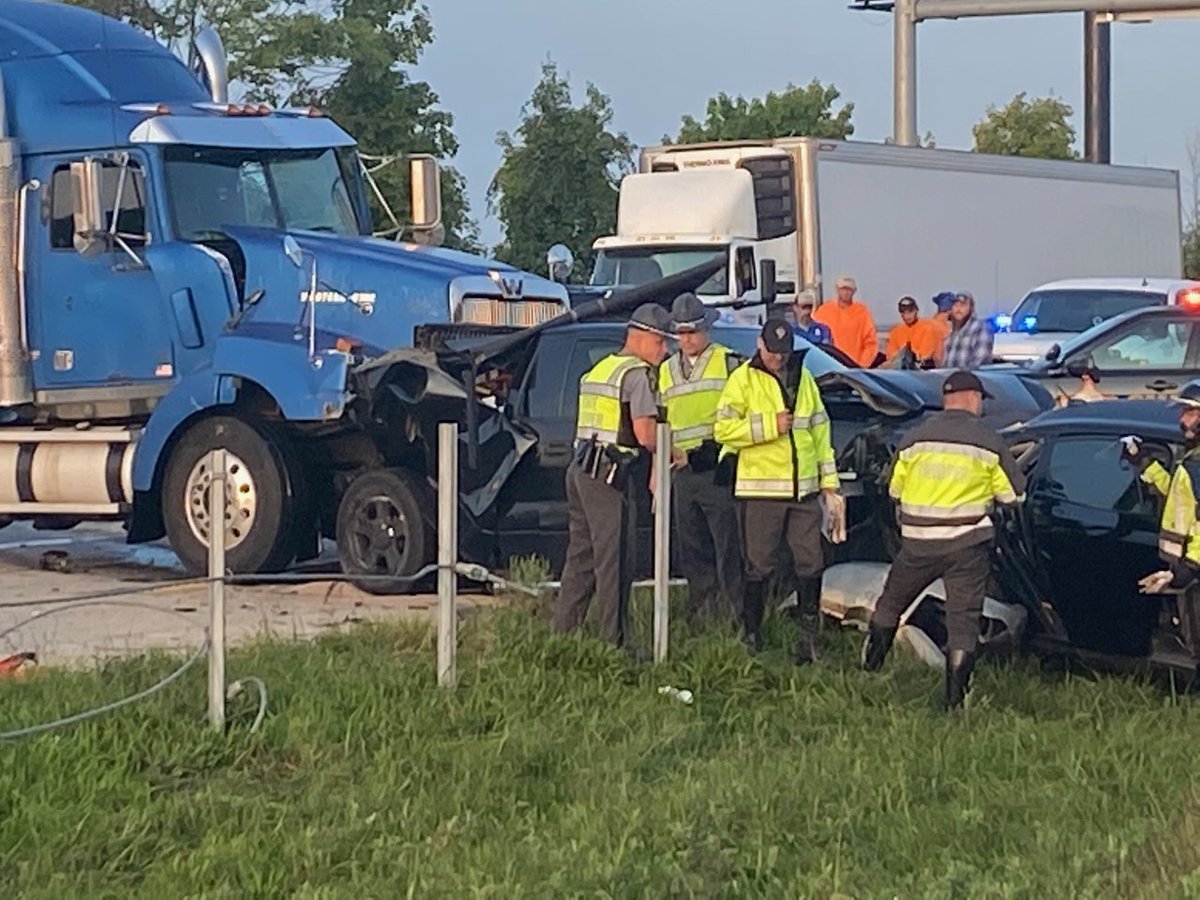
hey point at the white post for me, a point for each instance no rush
(216, 589)
(662, 542)
(447, 631)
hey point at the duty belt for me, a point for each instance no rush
(604, 462)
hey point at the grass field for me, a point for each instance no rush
(555, 769)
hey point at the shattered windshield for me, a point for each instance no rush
(211, 188)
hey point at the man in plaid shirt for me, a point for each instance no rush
(969, 345)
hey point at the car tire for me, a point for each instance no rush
(382, 531)
(262, 503)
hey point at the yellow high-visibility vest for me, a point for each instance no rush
(600, 400)
(788, 466)
(1179, 530)
(946, 490)
(691, 402)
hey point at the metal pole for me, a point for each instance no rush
(216, 589)
(966, 9)
(447, 498)
(904, 78)
(1097, 108)
(662, 541)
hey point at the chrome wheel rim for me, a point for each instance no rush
(241, 500)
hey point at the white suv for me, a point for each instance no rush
(1054, 313)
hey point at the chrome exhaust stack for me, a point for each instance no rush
(15, 385)
(213, 67)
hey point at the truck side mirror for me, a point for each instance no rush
(91, 233)
(560, 261)
(425, 198)
(767, 289)
(741, 264)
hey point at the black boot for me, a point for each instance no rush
(876, 646)
(808, 604)
(753, 604)
(959, 665)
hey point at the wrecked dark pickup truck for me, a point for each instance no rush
(518, 430)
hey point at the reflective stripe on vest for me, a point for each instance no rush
(600, 398)
(692, 402)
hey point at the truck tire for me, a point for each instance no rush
(263, 504)
(381, 531)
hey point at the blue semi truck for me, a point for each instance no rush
(181, 273)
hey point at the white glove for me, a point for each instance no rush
(833, 518)
(1157, 582)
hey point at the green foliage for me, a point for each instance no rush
(798, 111)
(347, 57)
(1040, 127)
(558, 178)
(1191, 251)
(556, 770)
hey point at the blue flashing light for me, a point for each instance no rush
(1029, 323)
(1002, 321)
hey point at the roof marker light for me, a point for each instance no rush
(1189, 297)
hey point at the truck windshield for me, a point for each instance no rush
(211, 188)
(1077, 309)
(632, 266)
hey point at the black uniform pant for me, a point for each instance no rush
(768, 523)
(965, 575)
(599, 564)
(710, 552)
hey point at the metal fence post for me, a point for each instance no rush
(662, 542)
(447, 630)
(216, 589)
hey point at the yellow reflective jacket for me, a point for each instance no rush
(691, 402)
(600, 413)
(948, 473)
(1179, 530)
(788, 466)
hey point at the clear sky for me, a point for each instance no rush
(660, 59)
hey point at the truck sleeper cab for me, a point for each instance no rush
(192, 274)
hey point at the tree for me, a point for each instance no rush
(798, 111)
(1040, 127)
(1191, 229)
(347, 57)
(558, 177)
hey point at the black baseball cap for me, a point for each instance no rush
(961, 381)
(907, 303)
(777, 336)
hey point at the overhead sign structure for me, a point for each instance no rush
(1098, 15)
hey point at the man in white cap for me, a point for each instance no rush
(690, 384)
(850, 323)
(614, 439)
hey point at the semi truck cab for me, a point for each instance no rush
(189, 273)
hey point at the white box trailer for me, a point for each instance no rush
(902, 220)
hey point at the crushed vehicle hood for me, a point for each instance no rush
(902, 393)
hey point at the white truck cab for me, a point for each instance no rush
(657, 236)
(1055, 312)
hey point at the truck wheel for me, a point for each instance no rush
(381, 531)
(261, 501)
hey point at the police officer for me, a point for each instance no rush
(689, 385)
(615, 432)
(771, 415)
(1179, 531)
(948, 474)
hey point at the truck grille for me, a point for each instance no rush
(523, 313)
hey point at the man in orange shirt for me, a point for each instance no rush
(921, 336)
(850, 323)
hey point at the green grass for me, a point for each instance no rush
(556, 770)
